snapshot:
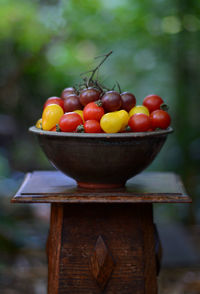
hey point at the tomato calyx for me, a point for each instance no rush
(80, 129)
(164, 107)
(58, 128)
(128, 129)
(98, 103)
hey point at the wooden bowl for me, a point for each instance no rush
(101, 160)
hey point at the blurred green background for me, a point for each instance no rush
(45, 45)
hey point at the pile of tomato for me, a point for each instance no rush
(91, 110)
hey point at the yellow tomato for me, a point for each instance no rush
(51, 116)
(114, 122)
(39, 124)
(139, 109)
(80, 112)
(123, 114)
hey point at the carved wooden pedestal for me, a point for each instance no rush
(101, 241)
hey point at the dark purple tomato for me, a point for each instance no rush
(67, 91)
(111, 101)
(72, 103)
(128, 101)
(89, 95)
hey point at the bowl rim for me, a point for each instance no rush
(37, 131)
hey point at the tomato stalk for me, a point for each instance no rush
(90, 82)
(99, 103)
(118, 85)
(164, 107)
(98, 66)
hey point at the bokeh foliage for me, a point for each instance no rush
(45, 45)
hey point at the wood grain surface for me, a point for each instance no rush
(101, 241)
(55, 187)
(101, 263)
(128, 233)
(54, 248)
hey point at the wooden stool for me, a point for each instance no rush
(101, 241)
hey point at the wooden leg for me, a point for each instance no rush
(102, 248)
(158, 250)
(54, 248)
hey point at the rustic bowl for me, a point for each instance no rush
(101, 160)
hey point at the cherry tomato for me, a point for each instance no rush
(70, 121)
(114, 122)
(138, 109)
(72, 103)
(139, 122)
(80, 112)
(54, 100)
(54, 129)
(92, 126)
(51, 116)
(93, 111)
(153, 102)
(39, 124)
(160, 119)
(128, 101)
(123, 117)
(111, 101)
(88, 95)
(67, 91)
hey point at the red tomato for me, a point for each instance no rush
(93, 110)
(152, 102)
(160, 119)
(54, 100)
(70, 121)
(139, 122)
(92, 126)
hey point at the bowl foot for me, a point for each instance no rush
(99, 186)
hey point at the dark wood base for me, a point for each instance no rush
(102, 240)
(101, 248)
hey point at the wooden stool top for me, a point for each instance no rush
(147, 187)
